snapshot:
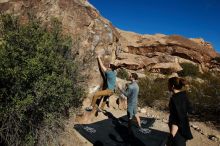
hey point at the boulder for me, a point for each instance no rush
(92, 34)
(172, 67)
(192, 50)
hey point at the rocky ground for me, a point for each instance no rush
(204, 135)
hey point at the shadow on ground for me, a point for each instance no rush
(114, 132)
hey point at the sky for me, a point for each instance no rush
(189, 18)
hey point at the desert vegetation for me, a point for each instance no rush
(217, 59)
(203, 92)
(189, 69)
(122, 73)
(38, 80)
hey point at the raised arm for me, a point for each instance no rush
(103, 68)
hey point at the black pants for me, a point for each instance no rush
(177, 140)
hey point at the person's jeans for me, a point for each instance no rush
(99, 95)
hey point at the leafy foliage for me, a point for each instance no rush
(122, 73)
(189, 70)
(205, 94)
(217, 59)
(153, 91)
(38, 78)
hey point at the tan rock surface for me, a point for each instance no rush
(92, 34)
(175, 67)
(159, 46)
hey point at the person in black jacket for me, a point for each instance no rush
(179, 106)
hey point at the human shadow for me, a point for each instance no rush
(128, 138)
(114, 131)
(98, 143)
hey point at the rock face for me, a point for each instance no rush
(91, 33)
(145, 51)
(94, 35)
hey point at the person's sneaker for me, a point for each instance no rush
(89, 108)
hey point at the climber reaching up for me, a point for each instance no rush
(110, 78)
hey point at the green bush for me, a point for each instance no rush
(153, 91)
(122, 73)
(217, 59)
(189, 69)
(38, 79)
(205, 95)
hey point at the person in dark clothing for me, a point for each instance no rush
(179, 106)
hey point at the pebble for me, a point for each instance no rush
(213, 137)
(165, 120)
(203, 133)
(143, 111)
(196, 128)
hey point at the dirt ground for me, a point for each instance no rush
(72, 138)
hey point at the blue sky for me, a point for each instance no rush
(190, 18)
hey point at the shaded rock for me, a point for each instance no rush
(113, 102)
(172, 67)
(129, 64)
(195, 127)
(213, 137)
(122, 103)
(117, 102)
(4, 1)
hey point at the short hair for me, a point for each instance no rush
(177, 83)
(113, 67)
(134, 75)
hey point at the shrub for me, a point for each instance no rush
(205, 95)
(217, 59)
(189, 70)
(152, 91)
(38, 79)
(122, 73)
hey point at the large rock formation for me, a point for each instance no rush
(92, 35)
(145, 51)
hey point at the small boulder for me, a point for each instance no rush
(213, 137)
(143, 111)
